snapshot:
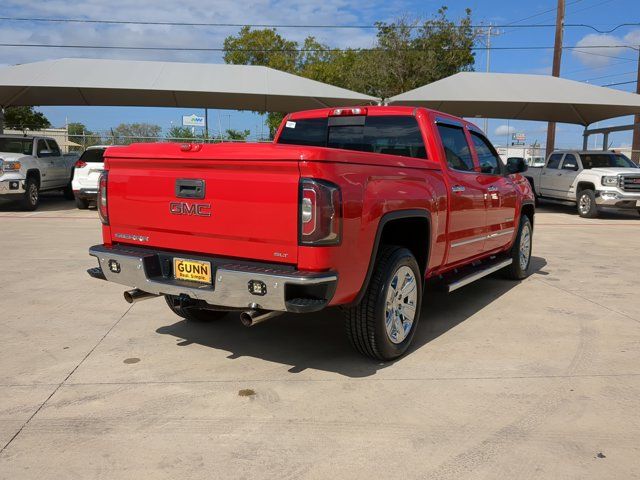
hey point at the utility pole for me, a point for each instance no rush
(557, 60)
(635, 144)
(488, 31)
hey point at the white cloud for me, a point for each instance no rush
(612, 46)
(326, 12)
(502, 130)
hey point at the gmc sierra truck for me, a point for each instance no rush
(351, 207)
(30, 165)
(589, 180)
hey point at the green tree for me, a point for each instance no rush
(21, 118)
(127, 133)
(180, 133)
(81, 135)
(237, 134)
(407, 53)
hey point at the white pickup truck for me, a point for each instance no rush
(590, 179)
(29, 165)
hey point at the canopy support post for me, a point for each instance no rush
(1, 120)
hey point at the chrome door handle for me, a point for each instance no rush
(492, 189)
(457, 188)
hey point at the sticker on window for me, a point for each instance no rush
(290, 124)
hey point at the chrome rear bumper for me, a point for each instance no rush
(151, 271)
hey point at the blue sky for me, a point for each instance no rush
(597, 66)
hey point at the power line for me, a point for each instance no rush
(267, 25)
(539, 14)
(294, 50)
(608, 76)
(619, 83)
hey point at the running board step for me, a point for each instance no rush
(478, 274)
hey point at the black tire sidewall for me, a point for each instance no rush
(519, 273)
(388, 349)
(27, 204)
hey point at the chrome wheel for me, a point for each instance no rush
(402, 297)
(33, 193)
(525, 247)
(584, 204)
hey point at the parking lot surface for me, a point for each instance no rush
(538, 379)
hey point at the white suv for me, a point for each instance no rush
(86, 174)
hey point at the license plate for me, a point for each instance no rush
(192, 270)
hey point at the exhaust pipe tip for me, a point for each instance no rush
(136, 295)
(249, 318)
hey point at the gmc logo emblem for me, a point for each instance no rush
(635, 180)
(184, 208)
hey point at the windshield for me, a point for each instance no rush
(16, 145)
(606, 160)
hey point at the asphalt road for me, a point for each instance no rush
(538, 379)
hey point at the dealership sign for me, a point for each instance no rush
(192, 121)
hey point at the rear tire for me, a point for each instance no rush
(31, 196)
(587, 207)
(192, 314)
(68, 192)
(521, 251)
(82, 204)
(383, 324)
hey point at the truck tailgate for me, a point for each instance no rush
(249, 207)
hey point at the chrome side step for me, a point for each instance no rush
(478, 274)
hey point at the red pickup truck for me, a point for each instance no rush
(352, 207)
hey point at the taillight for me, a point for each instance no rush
(348, 112)
(80, 164)
(320, 216)
(103, 210)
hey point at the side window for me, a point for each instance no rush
(570, 162)
(42, 146)
(487, 156)
(456, 148)
(55, 149)
(554, 161)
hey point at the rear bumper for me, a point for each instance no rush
(149, 270)
(88, 194)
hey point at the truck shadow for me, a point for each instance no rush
(318, 341)
(603, 213)
(49, 202)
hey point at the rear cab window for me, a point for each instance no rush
(94, 155)
(386, 134)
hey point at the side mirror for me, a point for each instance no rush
(45, 153)
(516, 165)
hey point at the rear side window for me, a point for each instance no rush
(456, 148)
(309, 132)
(95, 155)
(55, 149)
(42, 147)
(554, 160)
(391, 135)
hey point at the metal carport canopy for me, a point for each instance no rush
(521, 97)
(78, 81)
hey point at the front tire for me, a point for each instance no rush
(587, 207)
(383, 324)
(192, 314)
(31, 196)
(68, 192)
(521, 251)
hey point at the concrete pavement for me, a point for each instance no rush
(539, 379)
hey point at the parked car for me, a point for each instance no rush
(349, 207)
(590, 179)
(30, 165)
(86, 174)
(535, 161)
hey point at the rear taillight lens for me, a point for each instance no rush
(80, 164)
(320, 216)
(103, 210)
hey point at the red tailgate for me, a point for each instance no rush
(249, 208)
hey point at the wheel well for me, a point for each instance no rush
(585, 186)
(411, 233)
(531, 182)
(34, 174)
(529, 211)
